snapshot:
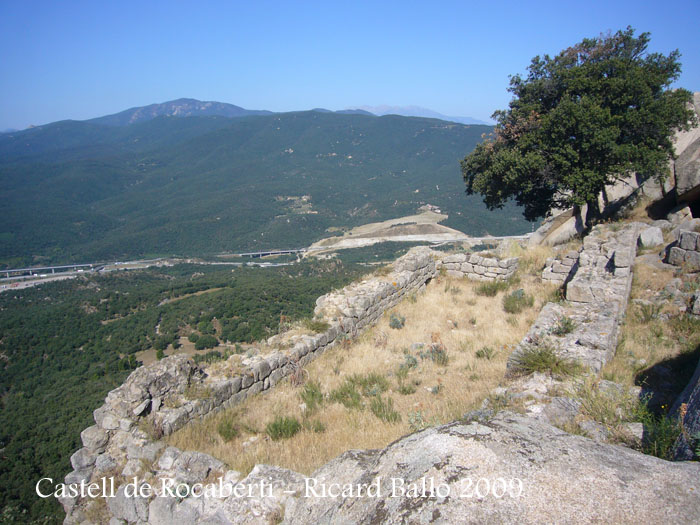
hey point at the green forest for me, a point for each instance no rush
(65, 344)
(195, 186)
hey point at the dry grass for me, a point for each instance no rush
(449, 313)
(646, 339)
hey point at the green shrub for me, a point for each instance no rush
(192, 338)
(384, 410)
(209, 357)
(316, 325)
(565, 325)
(160, 354)
(437, 354)
(645, 313)
(371, 384)
(543, 358)
(491, 288)
(312, 395)
(485, 352)
(406, 389)
(660, 432)
(409, 362)
(347, 395)
(696, 445)
(517, 301)
(206, 341)
(315, 426)
(282, 428)
(227, 430)
(397, 321)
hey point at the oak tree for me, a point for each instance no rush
(579, 121)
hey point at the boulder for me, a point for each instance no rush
(687, 170)
(564, 478)
(127, 507)
(94, 438)
(652, 236)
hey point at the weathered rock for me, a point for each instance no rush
(82, 459)
(559, 473)
(652, 236)
(127, 507)
(94, 438)
(687, 168)
(688, 408)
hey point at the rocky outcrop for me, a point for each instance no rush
(475, 471)
(687, 165)
(688, 409)
(479, 268)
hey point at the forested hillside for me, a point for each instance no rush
(82, 191)
(64, 345)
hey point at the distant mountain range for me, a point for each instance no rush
(182, 107)
(416, 111)
(153, 181)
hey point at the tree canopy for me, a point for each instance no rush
(577, 122)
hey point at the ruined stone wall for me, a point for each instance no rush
(596, 300)
(479, 268)
(158, 399)
(561, 268)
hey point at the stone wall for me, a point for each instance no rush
(686, 252)
(158, 399)
(479, 268)
(561, 268)
(596, 294)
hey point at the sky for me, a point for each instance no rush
(84, 59)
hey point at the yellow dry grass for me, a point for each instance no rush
(448, 311)
(644, 341)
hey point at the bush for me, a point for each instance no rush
(160, 354)
(316, 325)
(543, 358)
(384, 410)
(371, 384)
(409, 362)
(193, 337)
(565, 325)
(282, 428)
(437, 354)
(491, 288)
(315, 426)
(645, 313)
(347, 395)
(227, 430)
(209, 357)
(311, 395)
(517, 301)
(485, 352)
(206, 341)
(406, 389)
(397, 321)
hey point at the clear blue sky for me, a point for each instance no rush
(74, 59)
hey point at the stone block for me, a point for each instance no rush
(652, 236)
(676, 256)
(688, 240)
